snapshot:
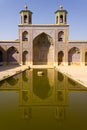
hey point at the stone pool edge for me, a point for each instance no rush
(4, 74)
(69, 75)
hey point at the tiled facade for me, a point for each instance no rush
(43, 44)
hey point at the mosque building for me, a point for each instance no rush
(43, 44)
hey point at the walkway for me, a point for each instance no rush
(78, 73)
(8, 71)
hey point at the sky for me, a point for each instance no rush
(43, 13)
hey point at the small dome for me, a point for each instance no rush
(25, 7)
(61, 7)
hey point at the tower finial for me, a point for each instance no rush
(61, 7)
(25, 7)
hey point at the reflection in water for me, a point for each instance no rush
(60, 76)
(51, 101)
(41, 86)
(24, 76)
(60, 113)
(12, 81)
(1, 83)
(60, 96)
(72, 82)
(25, 95)
(27, 113)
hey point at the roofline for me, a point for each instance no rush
(9, 41)
(43, 25)
(61, 11)
(77, 41)
(26, 11)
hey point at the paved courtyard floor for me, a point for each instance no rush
(78, 73)
(8, 71)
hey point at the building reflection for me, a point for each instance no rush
(50, 90)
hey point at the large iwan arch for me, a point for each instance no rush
(42, 50)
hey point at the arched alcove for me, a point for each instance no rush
(25, 36)
(60, 57)
(25, 57)
(12, 55)
(74, 56)
(61, 36)
(25, 19)
(41, 49)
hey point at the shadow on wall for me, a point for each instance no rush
(12, 55)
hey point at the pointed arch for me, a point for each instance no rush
(41, 49)
(60, 57)
(61, 18)
(74, 56)
(61, 36)
(25, 36)
(12, 55)
(25, 19)
(25, 57)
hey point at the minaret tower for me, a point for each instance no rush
(26, 16)
(61, 16)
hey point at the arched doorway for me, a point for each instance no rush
(25, 57)
(60, 57)
(1, 58)
(74, 56)
(85, 58)
(12, 55)
(42, 54)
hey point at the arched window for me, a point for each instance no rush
(25, 19)
(25, 36)
(61, 18)
(61, 36)
(57, 19)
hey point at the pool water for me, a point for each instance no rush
(50, 101)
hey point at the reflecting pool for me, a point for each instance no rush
(48, 102)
